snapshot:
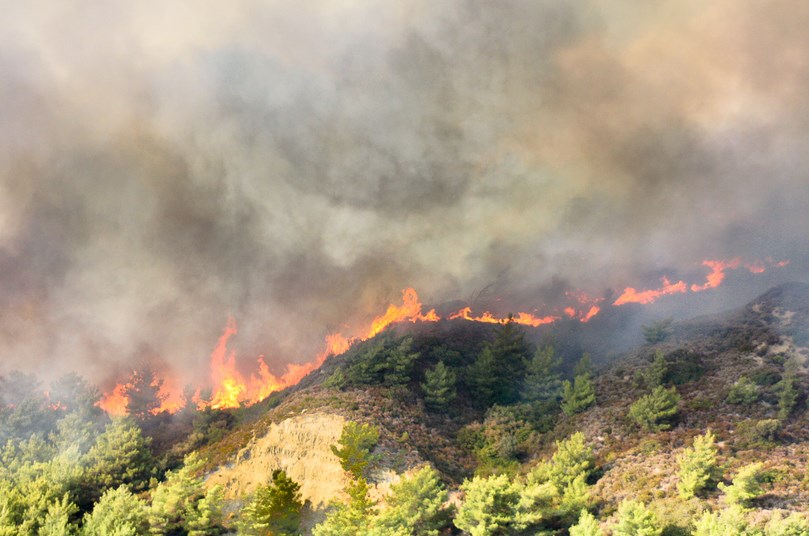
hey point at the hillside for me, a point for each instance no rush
(704, 358)
(701, 426)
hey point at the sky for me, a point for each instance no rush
(165, 166)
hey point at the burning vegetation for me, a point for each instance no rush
(229, 387)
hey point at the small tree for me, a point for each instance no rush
(439, 387)
(634, 519)
(120, 455)
(542, 383)
(658, 331)
(587, 526)
(656, 373)
(787, 393)
(357, 441)
(655, 411)
(415, 505)
(489, 506)
(482, 377)
(794, 524)
(698, 467)
(57, 519)
(746, 485)
(728, 522)
(352, 517)
(578, 396)
(143, 393)
(744, 392)
(275, 509)
(118, 512)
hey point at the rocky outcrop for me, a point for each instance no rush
(299, 445)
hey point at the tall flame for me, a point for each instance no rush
(632, 295)
(525, 319)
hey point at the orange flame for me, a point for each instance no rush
(410, 310)
(526, 319)
(631, 295)
(115, 401)
(594, 310)
(717, 275)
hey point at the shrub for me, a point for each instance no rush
(634, 519)
(542, 382)
(793, 525)
(578, 396)
(587, 526)
(758, 433)
(489, 506)
(746, 485)
(658, 331)
(744, 392)
(698, 467)
(729, 522)
(655, 411)
(415, 505)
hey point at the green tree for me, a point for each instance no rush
(356, 444)
(587, 526)
(577, 396)
(439, 387)
(387, 361)
(658, 331)
(57, 519)
(787, 393)
(584, 366)
(275, 509)
(655, 411)
(120, 455)
(746, 485)
(542, 383)
(489, 506)
(117, 513)
(728, 522)
(794, 524)
(482, 377)
(698, 466)
(634, 519)
(182, 500)
(744, 392)
(415, 506)
(656, 373)
(353, 517)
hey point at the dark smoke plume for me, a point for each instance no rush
(295, 164)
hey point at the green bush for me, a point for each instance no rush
(275, 508)
(744, 392)
(415, 505)
(439, 387)
(746, 485)
(655, 411)
(698, 466)
(658, 331)
(586, 526)
(634, 519)
(356, 443)
(578, 396)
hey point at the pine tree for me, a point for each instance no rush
(118, 513)
(415, 505)
(482, 377)
(510, 353)
(275, 509)
(356, 443)
(698, 466)
(57, 519)
(439, 387)
(587, 526)
(655, 411)
(121, 455)
(542, 383)
(353, 517)
(634, 519)
(728, 522)
(577, 396)
(584, 366)
(746, 485)
(656, 374)
(489, 506)
(787, 393)
(794, 524)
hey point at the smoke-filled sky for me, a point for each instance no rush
(164, 165)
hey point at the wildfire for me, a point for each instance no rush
(525, 319)
(231, 388)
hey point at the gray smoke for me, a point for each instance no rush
(164, 165)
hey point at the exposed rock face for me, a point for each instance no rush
(300, 446)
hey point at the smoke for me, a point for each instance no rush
(164, 165)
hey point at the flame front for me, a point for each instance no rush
(230, 388)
